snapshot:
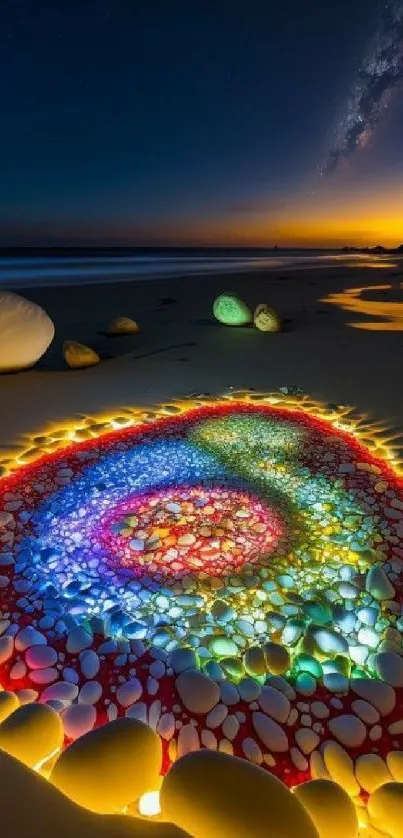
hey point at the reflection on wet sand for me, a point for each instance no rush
(389, 314)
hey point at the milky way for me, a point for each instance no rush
(380, 71)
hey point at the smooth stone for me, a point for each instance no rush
(188, 740)
(32, 806)
(78, 719)
(371, 772)
(181, 659)
(213, 795)
(128, 750)
(216, 716)
(348, 729)
(340, 767)
(123, 326)
(389, 667)
(89, 663)
(330, 642)
(31, 734)
(27, 637)
(331, 809)
(223, 647)
(255, 661)
(277, 658)
(249, 689)
(266, 319)
(385, 808)
(270, 733)
(380, 695)
(77, 640)
(26, 331)
(306, 739)
(229, 693)
(6, 648)
(78, 356)
(40, 657)
(90, 692)
(378, 585)
(8, 703)
(129, 692)
(62, 691)
(198, 693)
(394, 761)
(274, 704)
(230, 310)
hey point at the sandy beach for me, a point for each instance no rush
(182, 350)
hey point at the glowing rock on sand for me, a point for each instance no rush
(265, 319)
(26, 331)
(78, 356)
(230, 310)
(123, 326)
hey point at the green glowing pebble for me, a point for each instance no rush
(232, 667)
(223, 647)
(306, 663)
(305, 683)
(318, 612)
(231, 310)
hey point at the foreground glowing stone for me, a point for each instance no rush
(385, 808)
(109, 768)
(330, 808)
(213, 795)
(31, 806)
(26, 331)
(230, 310)
(32, 734)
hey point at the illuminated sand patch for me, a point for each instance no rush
(389, 315)
(228, 571)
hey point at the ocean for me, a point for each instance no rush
(34, 268)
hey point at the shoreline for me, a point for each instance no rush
(181, 349)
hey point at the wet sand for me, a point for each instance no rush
(182, 350)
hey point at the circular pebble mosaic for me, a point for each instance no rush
(229, 571)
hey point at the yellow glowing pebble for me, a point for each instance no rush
(340, 767)
(330, 808)
(265, 319)
(77, 355)
(32, 734)
(108, 768)
(8, 703)
(213, 795)
(30, 806)
(123, 326)
(385, 807)
(394, 761)
(277, 658)
(371, 772)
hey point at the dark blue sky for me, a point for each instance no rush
(171, 120)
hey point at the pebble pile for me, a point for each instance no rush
(228, 572)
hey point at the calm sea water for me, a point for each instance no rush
(38, 270)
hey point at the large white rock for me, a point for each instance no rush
(25, 332)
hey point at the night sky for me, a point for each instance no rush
(201, 122)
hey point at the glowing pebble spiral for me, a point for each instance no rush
(206, 539)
